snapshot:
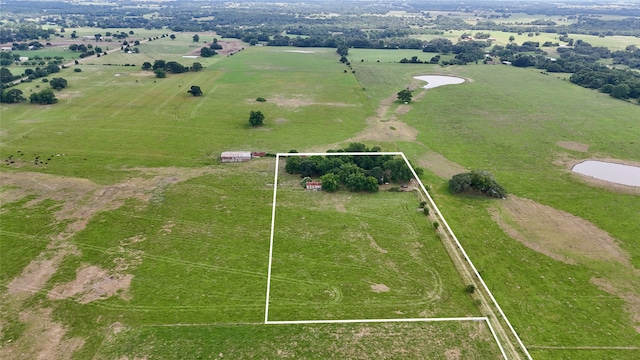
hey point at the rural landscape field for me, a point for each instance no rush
(126, 234)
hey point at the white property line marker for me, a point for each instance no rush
(357, 321)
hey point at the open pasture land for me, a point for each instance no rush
(351, 256)
(112, 116)
(451, 340)
(137, 166)
(560, 260)
(131, 229)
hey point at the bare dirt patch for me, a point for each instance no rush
(557, 234)
(229, 46)
(91, 283)
(440, 165)
(42, 339)
(631, 298)
(35, 275)
(379, 288)
(375, 245)
(299, 100)
(574, 146)
(453, 354)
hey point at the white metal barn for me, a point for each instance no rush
(235, 156)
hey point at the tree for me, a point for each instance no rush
(12, 96)
(172, 36)
(196, 38)
(159, 64)
(195, 91)
(44, 97)
(512, 38)
(5, 75)
(620, 91)
(398, 169)
(256, 118)
(207, 52)
(477, 180)
(160, 73)
(146, 65)
(330, 182)
(405, 95)
(196, 66)
(58, 83)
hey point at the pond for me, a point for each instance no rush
(433, 81)
(612, 172)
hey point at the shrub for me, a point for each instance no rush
(261, 99)
(77, 70)
(426, 211)
(470, 289)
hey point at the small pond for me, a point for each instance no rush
(612, 172)
(434, 81)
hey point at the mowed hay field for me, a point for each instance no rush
(136, 235)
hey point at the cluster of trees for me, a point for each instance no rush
(620, 84)
(466, 50)
(477, 181)
(356, 173)
(629, 57)
(44, 97)
(209, 51)
(6, 77)
(162, 67)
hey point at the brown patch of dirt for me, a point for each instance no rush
(298, 101)
(80, 200)
(453, 354)
(166, 228)
(575, 146)
(557, 234)
(379, 288)
(35, 275)
(91, 283)
(440, 165)
(42, 339)
(630, 296)
(375, 245)
(340, 208)
(229, 46)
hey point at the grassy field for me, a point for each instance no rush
(132, 233)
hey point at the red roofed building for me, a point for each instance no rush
(313, 185)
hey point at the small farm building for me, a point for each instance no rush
(235, 156)
(313, 185)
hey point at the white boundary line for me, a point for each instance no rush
(356, 321)
(273, 221)
(273, 216)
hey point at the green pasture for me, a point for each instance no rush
(510, 124)
(208, 271)
(342, 256)
(327, 341)
(111, 116)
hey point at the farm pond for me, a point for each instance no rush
(608, 171)
(433, 81)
